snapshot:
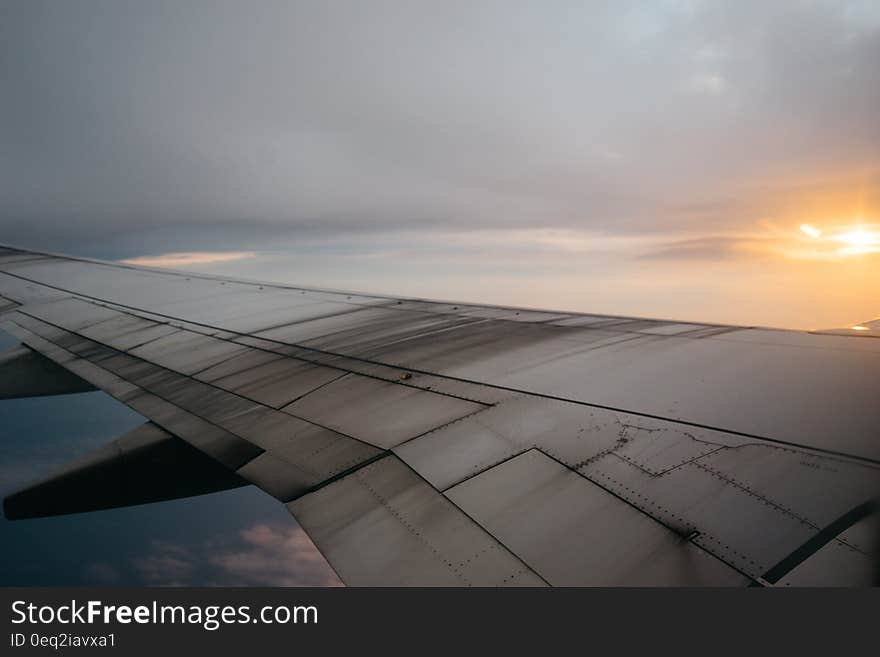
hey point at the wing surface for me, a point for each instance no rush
(439, 443)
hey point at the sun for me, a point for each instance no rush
(859, 241)
(853, 240)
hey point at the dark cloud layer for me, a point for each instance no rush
(130, 127)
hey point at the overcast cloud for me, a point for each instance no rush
(129, 128)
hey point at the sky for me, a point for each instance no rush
(654, 159)
(680, 159)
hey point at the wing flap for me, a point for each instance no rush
(383, 525)
(572, 532)
(232, 429)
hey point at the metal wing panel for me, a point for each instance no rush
(850, 559)
(186, 352)
(778, 474)
(278, 382)
(573, 433)
(821, 397)
(379, 412)
(237, 365)
(126, 332)
(745, 529)
(6, 305)
(73, 313)
(572, 532)
(393, 327)
(383, 525)
(452, 453)
(751, 503)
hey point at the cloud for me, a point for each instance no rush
(259, 555)
(703, 248)
(137, 128)
(187, 259)
(591, 156)
(167, 565)
(274, 556)
(710, 83)
(101, 574)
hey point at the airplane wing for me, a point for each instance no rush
(436, 443)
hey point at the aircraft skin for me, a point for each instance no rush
(440, 443)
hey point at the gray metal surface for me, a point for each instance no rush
(749, 529)
(278, 382)
(572, 432)
(126, 331)
(6, 305)
(378, 412)
(705, 453)
(385, 525)
(850, 559)
(572, 532)
(239, 364)
(186, 352)
(820, 396)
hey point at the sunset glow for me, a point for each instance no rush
(812, 231)
(859, 241)
(187, 259)
(852, 240)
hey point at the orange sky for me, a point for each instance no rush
(770, 275)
